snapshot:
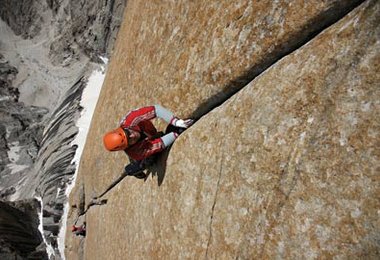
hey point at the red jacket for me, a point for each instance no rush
(139, 120)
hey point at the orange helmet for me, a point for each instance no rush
(115, 140)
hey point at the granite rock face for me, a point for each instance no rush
(285, 168)
(48, 48)
(19, 235)
(53, 168)
(23, 16)
(21, 129)
(294, 173)
(89, 26)
(178, 55)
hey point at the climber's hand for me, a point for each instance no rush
(182, 123)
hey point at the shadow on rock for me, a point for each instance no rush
(158, 168)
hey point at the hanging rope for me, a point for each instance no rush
(133, 169)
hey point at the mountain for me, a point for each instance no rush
(283, 159)
(48, 49)
(20, 237)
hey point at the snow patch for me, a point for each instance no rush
(89, 99)
(105, 61)
(49, 248)
(13, 153)
(14, 156)
(15, 168)
(58, 191)
(5, 98)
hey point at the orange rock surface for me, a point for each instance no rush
(285, 168)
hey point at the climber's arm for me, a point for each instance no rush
(147, 113)
(169, 117)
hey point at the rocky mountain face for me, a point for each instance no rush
(19, 234)
(21, 132)
(283, 161)
(47, 50)
(78, 26)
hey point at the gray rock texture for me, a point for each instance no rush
(21, 130)
(90, 26)
(51, 43)
(47, 50)
(19, 235)
(24, 16)
(287, 168)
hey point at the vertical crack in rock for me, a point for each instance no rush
(302, 37)
(108, 23)
(214, 203)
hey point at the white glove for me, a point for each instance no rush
(182, 123)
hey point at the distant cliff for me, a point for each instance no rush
(88, 26)
(283, 160)
(47, 50)
(19, 234)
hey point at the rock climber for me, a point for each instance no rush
(139, 138)
(79, 230)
